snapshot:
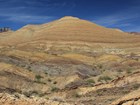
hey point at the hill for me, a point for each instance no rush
(69, 61)
(70, 29)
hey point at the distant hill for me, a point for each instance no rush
(69, 29)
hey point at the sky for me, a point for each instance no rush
(122, 14)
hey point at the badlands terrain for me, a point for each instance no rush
(69, 61)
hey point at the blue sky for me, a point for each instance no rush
(122, 14)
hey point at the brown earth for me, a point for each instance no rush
(69, 62)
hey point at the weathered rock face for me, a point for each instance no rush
(6, 99)
(132, 98)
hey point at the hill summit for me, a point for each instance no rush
(69, 28)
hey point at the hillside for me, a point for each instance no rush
(69, 61)
(70, 29)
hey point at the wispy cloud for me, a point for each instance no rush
(116, 19)
(124, 20)
(29, 11)
(25, 18)
(26, 11)
(29, 19)
(133, 29)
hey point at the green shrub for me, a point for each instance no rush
(49, 80)
(100, 66)
(129, 70)
(55, 89)
(29, 70)
(38, 77)
(27, 94)
(55, 82)
(91, 81)
(76, 95)
(120, 70)
(46, 73)
(104, 78)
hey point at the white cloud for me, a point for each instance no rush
(29, 19)
(122, 18)
(25, 18)
(133, 29)
(115, 19)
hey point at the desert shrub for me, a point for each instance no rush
(100, 66)
(104, 78)
(38, 77)
(136, 86)
(91, 81)
(17, 95)
(55, 82)
(49, 80)
(57, 99)
(129, 70)
(76, 95)
(120, 70)
(27, 94)
(33, 93)
(55, 89)
(29, 70)
(41, 94)
(46, 73)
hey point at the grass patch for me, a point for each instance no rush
(49, 80)
(129, 71)
(90, 81)
(76, 95)
(55, 89)
(38, 79)
(55, 82)
(104, 78)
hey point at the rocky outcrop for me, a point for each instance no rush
(130, 99)
(120, 82)
(7, 99)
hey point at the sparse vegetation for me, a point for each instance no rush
(33, 93)
(46, 73)
(76, 95)
(90, 81)
(30, 70)
(120, 70)
(17, 95)
(49, 80)
(38, 78)
(55, 89)
(129, 70)
(27, 94)
(100, 66)
(104, 78)
(55, 82)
